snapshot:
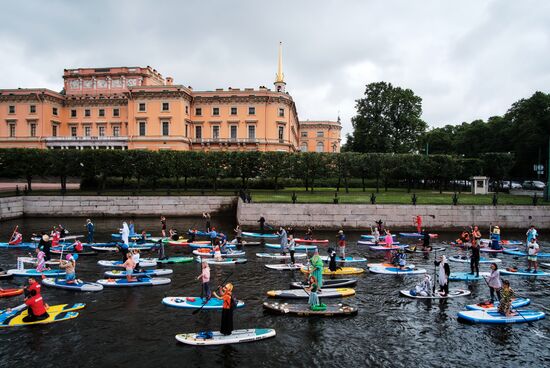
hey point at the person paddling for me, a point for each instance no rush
(262, 224)
(494, 282)
(41, 261)
(376, 235)
(69, 264)
(16, 238)
(474, 257)
(532, 253)
(90, 228)
(163, 226)
(342, 243)
(206, 217)
(313, 287)
(443, 275)
(205, 278)
(507, 294)
(317, 268)
(531, 234)
(291, 248)
(226, 294)
(238, 236)
(283, 238)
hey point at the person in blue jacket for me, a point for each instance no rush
(90, 228)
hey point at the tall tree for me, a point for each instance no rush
(388, 120)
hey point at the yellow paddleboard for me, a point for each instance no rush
(53, 317)
(339, 271)
(57, 308)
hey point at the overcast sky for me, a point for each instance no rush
(466, 59)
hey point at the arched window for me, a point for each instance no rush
(304, 147)
(320, 146)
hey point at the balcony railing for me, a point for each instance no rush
(238, 141)
(86, 139)
(91, 141)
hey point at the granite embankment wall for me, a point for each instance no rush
(113, 205)
(359, 216)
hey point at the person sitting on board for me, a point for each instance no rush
(506, 296)
(332, 260)
(376, 235)
(291, 248)
(283, 239)
(173, 234)
(32, 284)
(16, 238)
(313, 288)
(205, 278)
(229, 303)
(309, 234)
(36, 308)
(424, 288)
(41, 261)
(129, 266)
(401, 259)
(217, 253)
(494, 282)
(495, 238)
(70, 266)
(443, 275)
(532, 253)
(77, 245)
(136, 255)
(342, 243)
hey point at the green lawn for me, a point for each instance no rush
(326, 195)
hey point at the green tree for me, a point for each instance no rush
(275, 165)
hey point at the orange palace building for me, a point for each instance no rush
(137, 108)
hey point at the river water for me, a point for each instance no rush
(131, 328)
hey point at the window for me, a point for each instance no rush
(186, 110)
(198, 111)
(304, 147)
(142, 131)
(216, 132)
(73, 113)
(320, 134)
(233, 111)
(165, 106)
(251, 110)
(11, 109)
(186, 129)
(116, 131)
(303, 134)
(33, 130)
(102, 112)
(32, 109)
(141, 107)
(215, 111)
(320, 147)
(12, 130)
(54, 130)
(252, 132)
(165, 128)
(198, 132)
(73, 131)
(116, 112)
(54, 111)
(281, 112)
(101, 131)
(87, 131)
(233, 132)
(87, 112)
(281, 134)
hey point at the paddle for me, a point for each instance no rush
(435, 271)
(13, 233)
(207, 299)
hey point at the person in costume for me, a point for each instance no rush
(443, 275)
(506, 296)
(424, 288)
(312, 289)
(317, 268)
(283, 239)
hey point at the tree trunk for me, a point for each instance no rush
(185, 183)
(363, 182)
(408, 185)
(338, 184)
(276, 183)
(346, 183)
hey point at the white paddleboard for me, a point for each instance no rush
(237, 336)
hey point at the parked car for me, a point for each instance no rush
(505, 184)
(533, 185)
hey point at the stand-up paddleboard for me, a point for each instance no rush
(280, 256)
(523, 272)
(502, 242)
(387, 247)
(145, 273)
(185, 242)
(487, 305)
(77, 286)
(192, 302)
(143, 248)
(283, 266)
(297, 247)
(345, 260)
(99, 245)
(141, 281)
(130, 236)
(420, 249)
(327, 284)
(207, 245)
(83, 253)
(157, 239)
(210, 254)
(368, 242)
(143, 262)
(217, 338)
(330, 310)
(223, 262)
(491, 250)
(51, 309)
(378, 265)
(198, 232)
(17, 320)
(34, 261)
(416, 235)
(248, 234)
(171, 260)
(464, 276)
(6, 293)
(311, 241)
(494, 317)
(466, 259)
(302, 294)
(18, 246)
(34, 273)
(397, 271)
(453, 293)
(520, 253)
(544, 265)
(339, 271)
(371, 237)
(5, 276)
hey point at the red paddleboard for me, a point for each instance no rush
(311, 241)
(10, 292)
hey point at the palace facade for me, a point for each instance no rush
(137, 108)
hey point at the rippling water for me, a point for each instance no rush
(131, 328)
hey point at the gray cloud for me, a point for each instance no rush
(467, 60)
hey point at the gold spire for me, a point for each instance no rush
(280, 76)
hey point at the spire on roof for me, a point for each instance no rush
(280, 77)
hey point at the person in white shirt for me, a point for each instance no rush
(532, 252)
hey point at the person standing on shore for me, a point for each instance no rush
(90, 228)
(283, 238)
(532, 252)
(342, 243)
(474, 257)
(226, 294)
(494, 282)
(163, 226)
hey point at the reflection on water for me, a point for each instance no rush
(131, 328)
